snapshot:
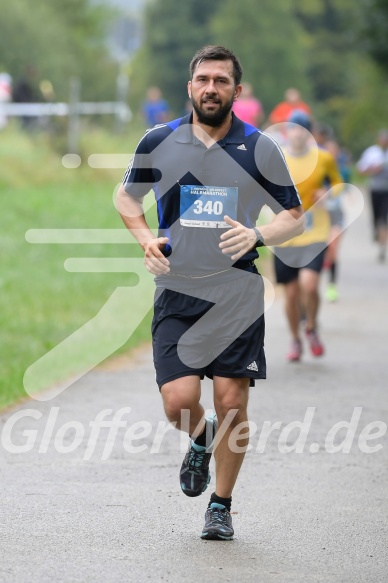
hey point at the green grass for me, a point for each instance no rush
(41, 303)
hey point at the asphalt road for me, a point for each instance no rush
(307, 516)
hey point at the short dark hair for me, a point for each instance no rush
(323, 129)
(217, 53)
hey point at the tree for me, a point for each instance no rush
(349, 91)
(59, 39)
(267, 39)
(330, 26)
(173, 31)
(374, 30)
(319, 46)
(270, 43)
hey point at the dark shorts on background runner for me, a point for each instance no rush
(380, 207)
(290, 260)
(227, 342)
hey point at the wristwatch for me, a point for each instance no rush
(260, 238)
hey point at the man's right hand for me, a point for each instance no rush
(154, 259)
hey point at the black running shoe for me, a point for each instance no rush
(218, 523)
(194, 474)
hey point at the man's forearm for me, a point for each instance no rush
(132, 214)
(285, 226)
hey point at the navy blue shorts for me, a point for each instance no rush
(380, 207)
(289, 261)
(210, 330)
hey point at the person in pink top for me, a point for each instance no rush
(247, 107)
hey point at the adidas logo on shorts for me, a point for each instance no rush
(253, 366)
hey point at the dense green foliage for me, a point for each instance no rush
(375, 31)
(326, 48)
(58, 40)
(334, 51)
(257, 34)
(173, 31)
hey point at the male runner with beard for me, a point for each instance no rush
(211, 174)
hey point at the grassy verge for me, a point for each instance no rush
(41, 303)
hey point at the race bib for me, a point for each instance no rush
(205, 206)
(309, 220)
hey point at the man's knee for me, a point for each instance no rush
(310, 281)
(234, 399)
(292, 290)
(179, 395)
(310, 287)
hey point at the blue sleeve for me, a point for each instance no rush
(139, 177)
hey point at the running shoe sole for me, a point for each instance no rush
(213, 535)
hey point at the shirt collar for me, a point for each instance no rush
(235, 135)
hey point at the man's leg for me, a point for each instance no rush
(230, 395)
(293, 312)
(382, 238)
(183, 394)
(287, 275)
(330, 262)
(182, 407)
(309, 285)
(331, 253)
(230, 401)
(292, 306)
(309, 281)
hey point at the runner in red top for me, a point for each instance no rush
(283, 110)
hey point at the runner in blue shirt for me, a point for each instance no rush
(155, 108)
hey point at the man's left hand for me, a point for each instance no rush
(238, 240)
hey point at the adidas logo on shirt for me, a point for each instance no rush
(242, 147)
(253, 366)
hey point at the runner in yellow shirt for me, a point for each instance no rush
(298, 263)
